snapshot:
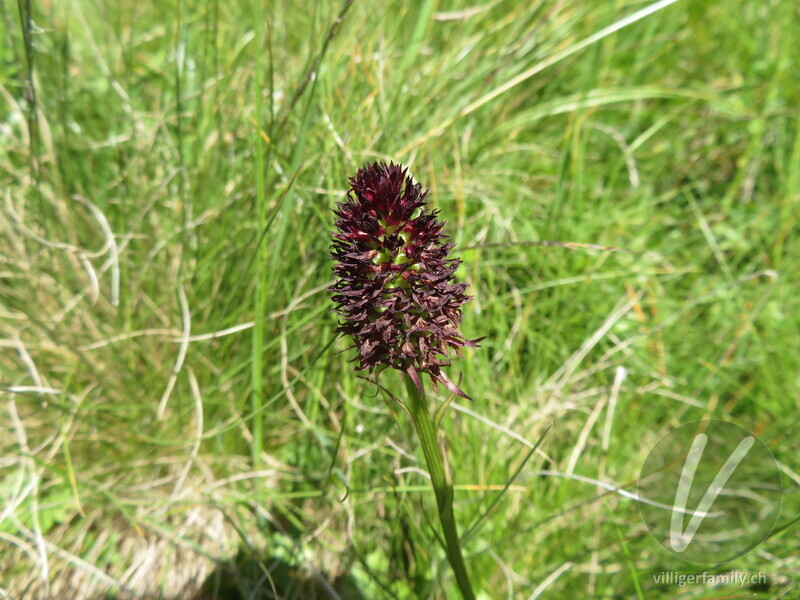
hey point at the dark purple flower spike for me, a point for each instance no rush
(396, 292)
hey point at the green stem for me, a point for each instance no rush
(442, 484)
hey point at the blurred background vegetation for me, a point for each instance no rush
(177, 421)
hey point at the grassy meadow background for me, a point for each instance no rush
(177, 419)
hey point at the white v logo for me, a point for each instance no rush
(678, 538)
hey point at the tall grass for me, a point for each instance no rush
(176, 414)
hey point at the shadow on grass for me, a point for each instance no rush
(246, 578)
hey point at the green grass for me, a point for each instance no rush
(174, 405)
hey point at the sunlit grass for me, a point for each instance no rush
(172, 391)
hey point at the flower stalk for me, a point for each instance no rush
(440, 479)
